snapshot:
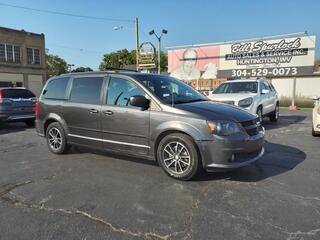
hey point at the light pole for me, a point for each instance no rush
(136, 28)
(152, 32)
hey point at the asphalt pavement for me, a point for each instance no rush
(95, 195)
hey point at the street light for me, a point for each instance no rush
(136, 25)
(152, 32)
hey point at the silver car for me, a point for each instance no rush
(151, 116)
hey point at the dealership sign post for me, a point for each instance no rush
(267, 57)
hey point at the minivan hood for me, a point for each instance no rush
(230, 96)
(216, 111)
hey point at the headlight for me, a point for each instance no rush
(223, 128)
(245, 102)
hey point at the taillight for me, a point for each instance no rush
(4, 101)
(36, 108)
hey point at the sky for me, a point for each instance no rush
(83, 42)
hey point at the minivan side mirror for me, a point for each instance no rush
(139, 101)
(315, 98)
(265, 91)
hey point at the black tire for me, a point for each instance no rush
(274, 117)
(30, 123)
(260, 113)
(314, 133)
(188, 155)
(57, 147)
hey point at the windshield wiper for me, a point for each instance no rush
(191, 100)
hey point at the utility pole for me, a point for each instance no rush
(136, 30)
(159, 55)
(136, 21)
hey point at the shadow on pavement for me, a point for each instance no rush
(277, 159)
(6, 128)
(284, 121)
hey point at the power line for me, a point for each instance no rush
(75, 48)
(66, 14)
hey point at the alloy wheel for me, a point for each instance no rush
(277, 112)
(55, 139)
(176, 157)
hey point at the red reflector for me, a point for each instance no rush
(36, 108)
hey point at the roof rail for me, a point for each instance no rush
(120, 69)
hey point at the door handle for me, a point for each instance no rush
(108, 112)
(93, 111)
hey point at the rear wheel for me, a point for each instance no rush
(56, 139)
(275, 114)
(178, 156)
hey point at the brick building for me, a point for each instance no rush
(22, 59)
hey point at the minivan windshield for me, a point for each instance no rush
(170, 90)
(237, 87)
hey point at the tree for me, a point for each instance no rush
(163, 62)
(82, 69)
(55, 65)
(117, 59)
(121, 58)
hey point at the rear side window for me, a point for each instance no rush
(56, 89)
(17, 93)
(86, 90)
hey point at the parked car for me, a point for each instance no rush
(17, 105)
(256, 96)
(147, 115)
(316, 117)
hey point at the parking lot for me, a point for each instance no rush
(95, 195)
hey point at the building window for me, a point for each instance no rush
(2, 52)
(10, 53)
(33, 56)
(16, 54)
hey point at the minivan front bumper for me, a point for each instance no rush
(231, 152)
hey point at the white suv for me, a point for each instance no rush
(256, 96)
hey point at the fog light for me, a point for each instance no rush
(318, 126)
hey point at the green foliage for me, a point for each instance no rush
(163, 62)
(55, 65)
(121, 58)
(117, 59)
(82, 69)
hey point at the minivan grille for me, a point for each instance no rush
(252, 127)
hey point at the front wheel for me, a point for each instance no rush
(274, 117)
(260, 114)
(178, 156)
(56, 139)
(314, 133)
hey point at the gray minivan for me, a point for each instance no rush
(147, 115)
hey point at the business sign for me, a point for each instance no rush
(147, 56)
(292, 56)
